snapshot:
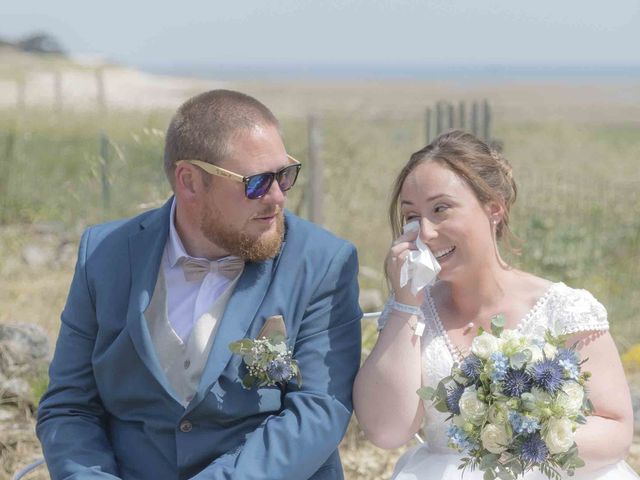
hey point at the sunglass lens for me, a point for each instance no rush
(287, 177)
(258, 185)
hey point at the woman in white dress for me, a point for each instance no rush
(460, 192)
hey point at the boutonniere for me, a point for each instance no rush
(268, 360)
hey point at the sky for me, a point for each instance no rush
(337, 33)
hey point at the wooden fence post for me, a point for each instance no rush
(316, 190)
(486, 124)
(475, 118)
(104, 171)
(451, 115)
(7, 165)
(428, 124)
(439, 117)
(462, 120)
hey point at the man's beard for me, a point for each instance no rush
(238, 243)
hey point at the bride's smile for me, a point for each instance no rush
(444, 254)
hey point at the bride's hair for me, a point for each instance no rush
(487, 173)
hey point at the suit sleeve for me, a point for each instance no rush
(297, 442)
(71, 417)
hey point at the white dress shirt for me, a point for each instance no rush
(187, 301)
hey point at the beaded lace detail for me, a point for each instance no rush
(561, 309)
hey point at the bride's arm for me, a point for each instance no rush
(384, 395)
(607, 435)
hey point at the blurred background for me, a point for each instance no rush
(87, 90)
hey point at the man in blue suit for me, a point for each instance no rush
(143, 384)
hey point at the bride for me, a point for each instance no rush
(460, 192)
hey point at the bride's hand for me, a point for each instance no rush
(398, 252)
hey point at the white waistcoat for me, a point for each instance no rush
(183, 362)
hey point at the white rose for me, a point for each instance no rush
(471, 408)
(484, 345)
(494, 438)
(498, 414)
(509, 335)
(513, 341)
(549, 351)
(536, 353)
(558, 435)
(570, 398)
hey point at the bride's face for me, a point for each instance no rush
(453, 223)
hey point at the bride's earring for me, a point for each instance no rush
(467, 328)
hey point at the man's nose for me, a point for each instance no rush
(274, 195)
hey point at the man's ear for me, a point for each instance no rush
(185, 179)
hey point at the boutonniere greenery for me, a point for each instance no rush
(268, 361)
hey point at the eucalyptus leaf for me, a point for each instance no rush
(497, 324)
(276, 338)
(241, 346)
(490, 460)
(505, 475)
(280, 348)
(441, 406)
(250, 358)
(426, 393)
(249, 381)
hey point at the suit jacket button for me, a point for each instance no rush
(186, 426)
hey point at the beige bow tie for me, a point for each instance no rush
(195, 269)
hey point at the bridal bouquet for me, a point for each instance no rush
(515, 403)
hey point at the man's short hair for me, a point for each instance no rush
(203, 125)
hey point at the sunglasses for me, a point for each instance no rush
(256, 186)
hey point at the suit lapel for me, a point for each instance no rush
(145, 249)
(238, 316)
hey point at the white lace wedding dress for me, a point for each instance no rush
(562, 309)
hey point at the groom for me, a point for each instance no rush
(143, 384)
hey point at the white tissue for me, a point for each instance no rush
(420, 266)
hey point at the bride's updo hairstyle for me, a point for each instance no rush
(487, 173)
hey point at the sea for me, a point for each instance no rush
(456, 73)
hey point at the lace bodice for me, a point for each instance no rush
(561, 309)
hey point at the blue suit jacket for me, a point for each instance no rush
(109, 411)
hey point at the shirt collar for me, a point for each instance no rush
(175, 248)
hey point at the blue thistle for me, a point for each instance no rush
(500, 366)
(547, 375)
(471, 367)
(453, 398)
(534, 450)
(279, 370)
(516, 382)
